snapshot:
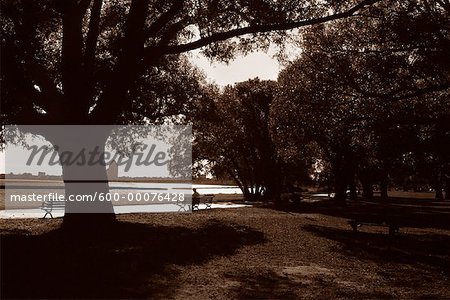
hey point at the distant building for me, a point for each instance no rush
(113, 171)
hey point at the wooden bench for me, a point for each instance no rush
(49, 206)
(393, 226)
(205, 199)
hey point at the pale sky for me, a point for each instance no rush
(258, 64)
(17, 158)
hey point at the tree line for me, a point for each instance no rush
(366, 100)
(366, 103)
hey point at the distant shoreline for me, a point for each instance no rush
(134, 180)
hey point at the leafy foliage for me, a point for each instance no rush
(236, 138)
(370, 91)
(109, 61)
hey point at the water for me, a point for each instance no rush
(173, 187)
(141, 187)
(217, 189)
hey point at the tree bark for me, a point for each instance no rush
(367, 190)
(352, 187)
(447, 189)
(81, 151)
(438, 191)
(340, 187)
(384, 188)
(438, 186)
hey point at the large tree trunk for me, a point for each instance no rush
(340, 186)
(87, 190)
(274, 184)
(437, 185)
(438, 191)
(384, 190)
(447, 188)
(367, 186)
(84, 179)
(384, 187)
(352, 187)
(91, 213)
(340, 191)
(367, 190)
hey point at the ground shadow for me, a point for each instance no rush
(133, 261)
(266, 285)
(410, 249)
(415, 213)
(272, 285)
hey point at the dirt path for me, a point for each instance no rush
(221, 254)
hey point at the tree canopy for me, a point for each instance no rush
(107, 62)
(235, 138)
(373, 92)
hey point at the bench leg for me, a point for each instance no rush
(182, 207)
(47, 213)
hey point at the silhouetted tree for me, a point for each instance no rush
(366, 89)
(96, 62)
(235, 138)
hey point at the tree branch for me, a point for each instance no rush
(153, 53)
(164, 19)
(71, 51)
(423, 91)
(83, 6)
(89, 52)
(92, 35)
(217, 37)
(113, 102)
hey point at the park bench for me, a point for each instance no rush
(49, 206)
(205, 199)
(393, 226)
